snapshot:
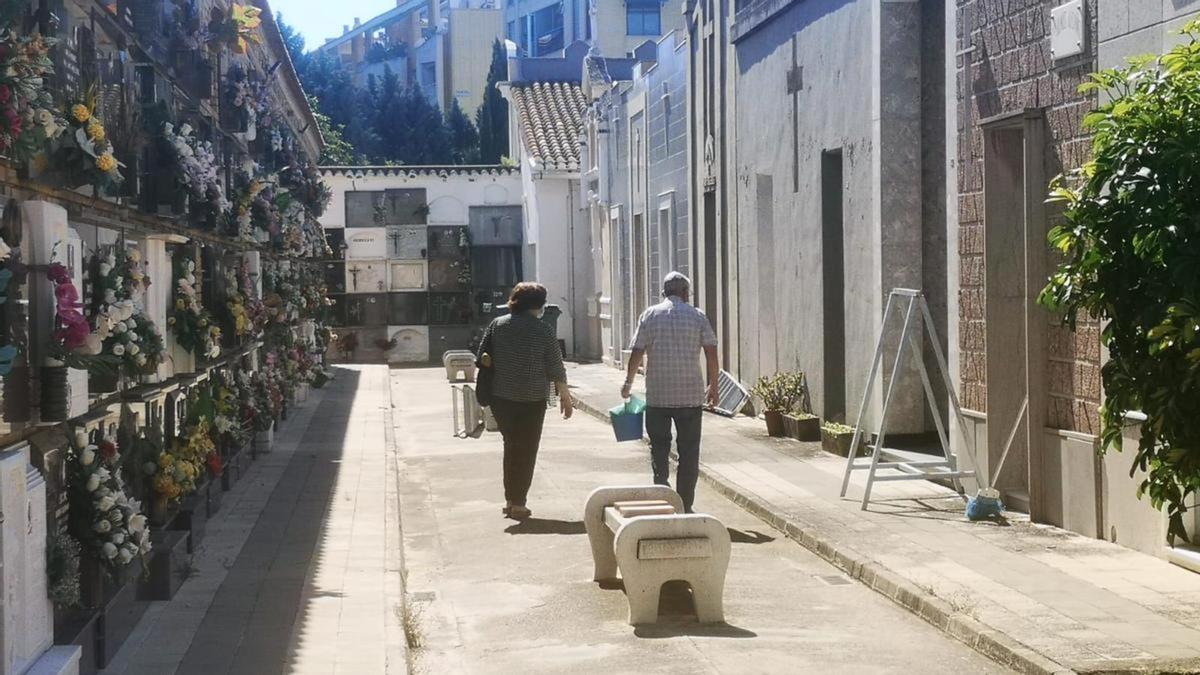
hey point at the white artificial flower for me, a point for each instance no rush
(110, 551)
(121, 327)
(93, 482)
(134, 349)
(116, 516)
(105, 268)
(122, 500)
(106, 503)
(133, 337)
(118, 350)
(137, 523)
(185, 129)
(144, 545)
(110, 297)
(118, 538)
(168, 128)
(141, 359)
(88, 455)
(126, 556)
(191, 266)
(102, 526)
(81, 439)
(111, 260)
(92, 345)
(120, 281)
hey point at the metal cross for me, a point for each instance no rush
(354, 274)
(394, 237)
(795, 83)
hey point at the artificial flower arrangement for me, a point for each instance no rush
(27, 117)
(227, 418)
(197, 172)
(239, 29)
(119, 288)
(253, 217)
(82, 153)
(181, 467)
(73, 342)
(103, 517)
(194, 328)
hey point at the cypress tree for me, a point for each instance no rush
(492, 117)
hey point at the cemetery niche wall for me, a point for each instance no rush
(426, 257)
(162, 299)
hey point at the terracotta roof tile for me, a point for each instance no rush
(551, 116)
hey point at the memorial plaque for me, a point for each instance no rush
(367, 310)
(449, 309)
(449, 275)
(406, 207)
(408, 309)
(412, 344)
(408, 243)
(496, 226)
(408, 275)
(365, 209)
(337, 310)
(366, 242)
(448, 243)
(366, 276)
(495, 266)
(444, 338)
(335, 276)
(491, 303)
(336, 237)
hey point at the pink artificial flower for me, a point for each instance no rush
(58, 273)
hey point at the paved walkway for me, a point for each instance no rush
(1039, 598)
(488, 595)
(300, 570)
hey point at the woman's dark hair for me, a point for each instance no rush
(526, 295)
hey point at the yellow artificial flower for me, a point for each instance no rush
(179, 305)
(106, 162)
(81, 113)
(95, 130)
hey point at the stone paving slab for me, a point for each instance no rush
(1038, 598)
(300, 571)
(489, 595)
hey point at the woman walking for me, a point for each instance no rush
(525, 358)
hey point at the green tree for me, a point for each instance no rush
(292, 40)
(1130, 243)
(492, 118)
(464, 139)
(337, 150)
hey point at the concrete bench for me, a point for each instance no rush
(460, 365)
(642, 531)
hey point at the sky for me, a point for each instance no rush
(320, 19)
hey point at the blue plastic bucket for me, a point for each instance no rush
(628, 420)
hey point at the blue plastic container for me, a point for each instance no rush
(628, 419)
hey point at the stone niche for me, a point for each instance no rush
(408, 275)
(412, 344)
(448, 309)
(366, 243)
(28, 629)
(449, 275)
(496, 226)
(444, 338)
(405, 206)
(408, 309)
(367, 309)
(447, 243)
(365, 209)
(407, 243)
(366, 276)
(335, 276)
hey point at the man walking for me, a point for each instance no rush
(672, 335)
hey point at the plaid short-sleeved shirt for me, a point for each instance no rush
(672, 334)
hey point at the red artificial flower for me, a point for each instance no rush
(108, 449)
(5, 94)
(215, 465)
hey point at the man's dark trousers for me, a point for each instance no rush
(687, 441)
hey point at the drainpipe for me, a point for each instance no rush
(571, 273)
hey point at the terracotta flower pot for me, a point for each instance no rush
(775, 427)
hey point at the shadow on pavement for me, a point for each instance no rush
(672, 629)
(547, 526)
(749, 537)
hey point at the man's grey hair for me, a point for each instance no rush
(676, 284)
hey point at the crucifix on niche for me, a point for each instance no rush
(795, 83)
(354, 270)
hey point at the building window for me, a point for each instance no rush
(512, 31)
(643, 17)
(546, 34)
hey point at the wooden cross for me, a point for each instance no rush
(795, 83)
(354, 274)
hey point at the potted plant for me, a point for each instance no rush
(779, 394)
(836, 438)
(802, 426)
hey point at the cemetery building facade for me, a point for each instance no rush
(817, 185)
(424, 256)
